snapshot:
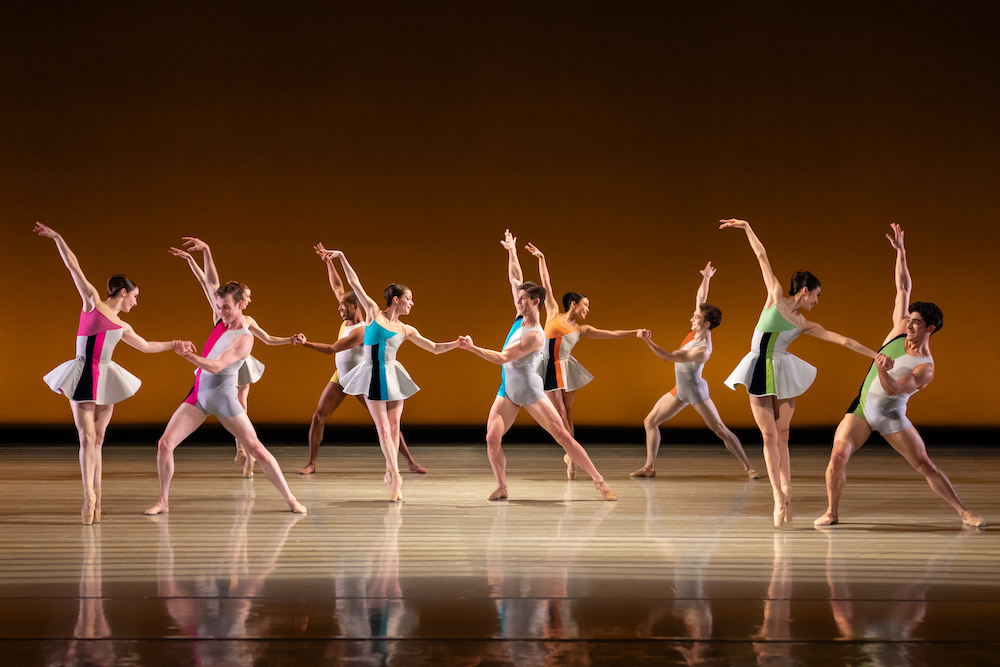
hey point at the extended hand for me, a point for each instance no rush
(465, 342)
(509, 242)
(299, 339)
(178, 252)
(884, 363)
(321, 251)
(534, 251)
(193, 244)
(43, 230)
(708, 271)
(896, 240)
(184, 347)
(644, 334)
(734, 222)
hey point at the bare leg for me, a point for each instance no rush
(243, 430)
(501, 418)
(909, 443)
(386, 415)
(185, 421)
(102, 417)
(851, 434)
(773, 417)
(665, 408)
(331, 398)
(243, 396)
(545, 414)
(83, 418)
(411, 462)
(710, 414)
(567, 415)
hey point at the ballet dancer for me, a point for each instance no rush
(252, 369)
(520, 384)
(92, 382)
(348, 352)
(214, 393)
(561, 372)
(773, 377)
(691, 389)
(904, 367)
(381, 379)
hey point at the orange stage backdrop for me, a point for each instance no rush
(613, 137)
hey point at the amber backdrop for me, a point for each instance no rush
(612, 135)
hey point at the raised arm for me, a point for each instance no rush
(199, 274)
(698, 354)
(531, 341)
(130, 337)
(773, 285)
(706, 278)
(88, 292)
(238, 349)
(818, 331)
(263, 336)
(336, 284)
(367, 303)
(411, 334)
(904, 285)
(353, 339)
(193, 244)
(514, 273)
(551, 303)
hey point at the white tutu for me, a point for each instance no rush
(250, 371)
(791, 376)
(114, 383)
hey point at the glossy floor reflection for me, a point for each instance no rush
(685, 569)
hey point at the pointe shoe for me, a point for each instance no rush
(499, 494)
(395, 482)
(297, 508)
(752, 474)
(643, 472)
(87, 517)
(97, 515)
(828, 519)
(570, 468)
(248, 467)
(607, 493)
(970, 519)
(780, 509)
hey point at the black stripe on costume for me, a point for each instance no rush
(758, 381)
(857, 399)
(375, 387)
(550, 366)
(85, 387)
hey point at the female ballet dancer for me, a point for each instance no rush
(347, 351)
(562, 374)
(92, 382)
(691, 388)
(520, 384)
(773, 377)
(252, 369)
(381, 379)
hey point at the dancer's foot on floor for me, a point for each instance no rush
(643, 472)
(416, 468)
(296, 507)
(570, 467)
(828, 519)
(158, 508)
(970, 519)
(605, 490)
(499, 494)
(752, 474)
(308, 470)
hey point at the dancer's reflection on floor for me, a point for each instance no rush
(776, 630)
(887, 624)
(229, 590)
(537, 608)
(91, 622)
(691, 605)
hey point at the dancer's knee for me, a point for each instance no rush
(650, 423)
(88, 438)
(165, 445)
(925, 466)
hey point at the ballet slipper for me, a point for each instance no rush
(752, 474)
(158, 508)
(417, 468)
(970, 519)
(499, 494)
(606, 491)
(570, 467)
(643, 472)
(828, 519)
(296, 507)
(308, 470)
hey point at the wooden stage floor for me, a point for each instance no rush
(685, 569)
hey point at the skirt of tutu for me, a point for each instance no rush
(397, 386)
(791, 376)
(114, 383)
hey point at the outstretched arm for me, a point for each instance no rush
(818, 331)
(238, 349)
(770, 281)
(698, 354)
(904, 285)
(353, 339)
(530, 342)
(336, 284)
(263, 336)
(192, 244)
(130, 337)
(514, 273)
(706, 278)
(367, 303)
(551, 304)
(414, 337)
(199, 275)
(588, 331)
(88, 292)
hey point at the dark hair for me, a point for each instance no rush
(802, 279)
(350, 297)
(534, 291)
(233, 289)
(394, 290)
(569, 298)
(117, 283)
(243, 286)
(711, 314)
(930, 312)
